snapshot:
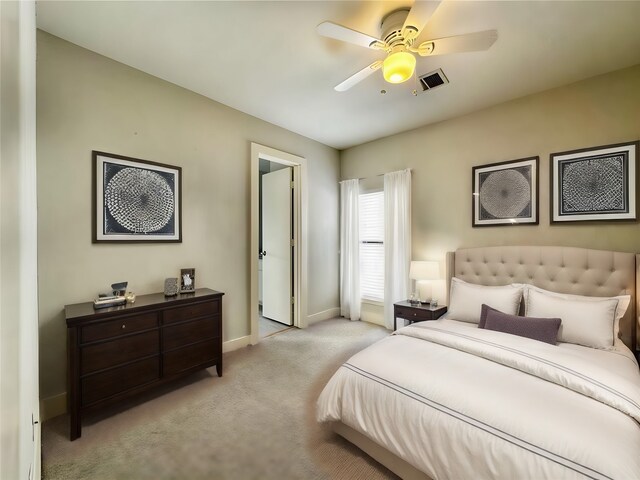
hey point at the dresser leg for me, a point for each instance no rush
(219, 367)
(76, 426)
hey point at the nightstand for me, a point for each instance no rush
(416, 313)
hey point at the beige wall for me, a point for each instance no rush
(88, 102)
(602, 110)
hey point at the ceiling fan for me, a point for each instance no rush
(399, 31)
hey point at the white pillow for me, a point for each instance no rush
(589, 321)
(466, 299)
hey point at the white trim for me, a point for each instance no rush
(377, 303)
(29, 450)
(236, 344)
(300, 232)
(324, 315)
(372, 300)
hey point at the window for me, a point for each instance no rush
(372, 246)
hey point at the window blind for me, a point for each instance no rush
(372, 246)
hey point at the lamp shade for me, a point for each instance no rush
(398, 67)
(424, 270)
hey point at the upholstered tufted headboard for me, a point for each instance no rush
(560, 269)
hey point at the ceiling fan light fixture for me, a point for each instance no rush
(398, 67)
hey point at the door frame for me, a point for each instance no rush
(300, 230)
(20, 229)
(30, 432)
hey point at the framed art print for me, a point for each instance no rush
(135, 200)
(506, 193)
(597, 183)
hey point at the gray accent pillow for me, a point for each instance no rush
(484, 309)
(541, 329)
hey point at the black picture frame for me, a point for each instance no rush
(506, 193)
(595, 184)
(135, 200)
(187, 280)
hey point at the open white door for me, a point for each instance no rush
(276, 246)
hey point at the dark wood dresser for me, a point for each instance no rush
(117, 352)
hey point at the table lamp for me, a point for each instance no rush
(423, 273)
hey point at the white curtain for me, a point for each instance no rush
(397, 240)
(349, 249)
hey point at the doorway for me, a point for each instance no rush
(276, 259)
(278, 242)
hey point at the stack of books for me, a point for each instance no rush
(109, 301)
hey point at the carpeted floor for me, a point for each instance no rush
(257, 422)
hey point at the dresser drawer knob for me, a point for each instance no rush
(415, 315)
(124, 326)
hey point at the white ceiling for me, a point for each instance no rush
(266, 59)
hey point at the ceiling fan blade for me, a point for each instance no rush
(338, 32)
(470, 42)
(418, 17)
(358, 77)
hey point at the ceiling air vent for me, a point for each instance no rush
(432, 80)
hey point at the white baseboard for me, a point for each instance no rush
(236, 343)
(53, 406)
(324, 315)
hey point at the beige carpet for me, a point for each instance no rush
(257, 422)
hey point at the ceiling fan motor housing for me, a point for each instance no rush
(391, 29)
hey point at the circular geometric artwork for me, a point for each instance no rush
(593, 185)
(139, 200)
(505, 193)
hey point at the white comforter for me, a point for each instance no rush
(459, 402)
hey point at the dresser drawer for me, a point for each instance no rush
(181, 334)
(121, 326)
(114, 352)
(413, 314)
(207, 352)
(191, 311)
(106, 384)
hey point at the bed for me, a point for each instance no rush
(446, 399)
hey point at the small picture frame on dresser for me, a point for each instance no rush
(187, 280)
